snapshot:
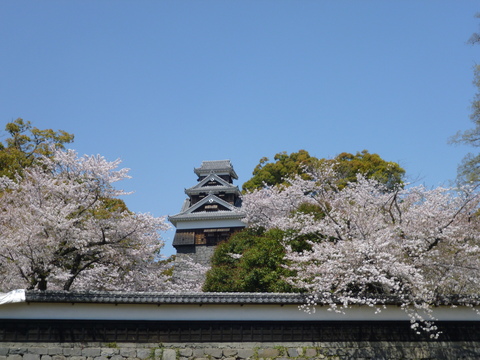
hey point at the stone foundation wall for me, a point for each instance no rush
(201, 254)
(240, 351)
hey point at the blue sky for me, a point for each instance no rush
(163, 85)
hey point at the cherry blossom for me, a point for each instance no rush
(63, 226)
(370, 244)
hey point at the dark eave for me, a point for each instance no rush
(213, 189)
(158, 298)
(117, 297)
(120, 297)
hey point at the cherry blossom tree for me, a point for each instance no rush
(369, 243)
(63, 226)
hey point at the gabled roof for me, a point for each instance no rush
(231, 212)
(216, 166)
(202, 186)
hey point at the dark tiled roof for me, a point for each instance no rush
(116, 297)
(207, 215)
(190, 213)
(120, 297)
(216, 166)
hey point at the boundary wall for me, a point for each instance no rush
(141, 326)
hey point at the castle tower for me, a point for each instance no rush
(210, 214)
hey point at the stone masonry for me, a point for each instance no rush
(200, 255)
(240, 351)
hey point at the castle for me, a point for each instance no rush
(211, 213)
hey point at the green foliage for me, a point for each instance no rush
(273, 173)
(346, 165)
(109, 206)
(311, 209)
(372, 166)
(170, 265)
(261, 265)
(25, 144)
(259, 269)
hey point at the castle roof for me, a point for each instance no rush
(217, 167)
(195, 213)
(220, 185)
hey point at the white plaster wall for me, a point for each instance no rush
(214, 312)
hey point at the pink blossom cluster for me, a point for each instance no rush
(59, 231)
(368, 243)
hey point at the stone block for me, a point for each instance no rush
(72, 351)
(198, 353)
(55, 350)
(158, 353)
(18, 350)
(58, 357)
(117, 357)
(310, 353)
(4, 351)
(292, 352)
(91, 352)
(101, 358)
(144, 353)
(109, 351)
(14, 357)
(128, 352)
(214, 352)
(268, 353)
(245, 353)
(38, 350)
(169, 354)
(77, 358)
(230, 352)
(185, 352)
(31, 357)
(46, 357)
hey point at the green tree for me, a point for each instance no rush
(254, 260)
(273, 173)
(347, 166)
(371, 166)
(26, 144)
(251, 261)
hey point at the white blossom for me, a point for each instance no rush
(60, 228)
(369, 243)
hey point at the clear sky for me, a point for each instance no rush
(163, 85)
